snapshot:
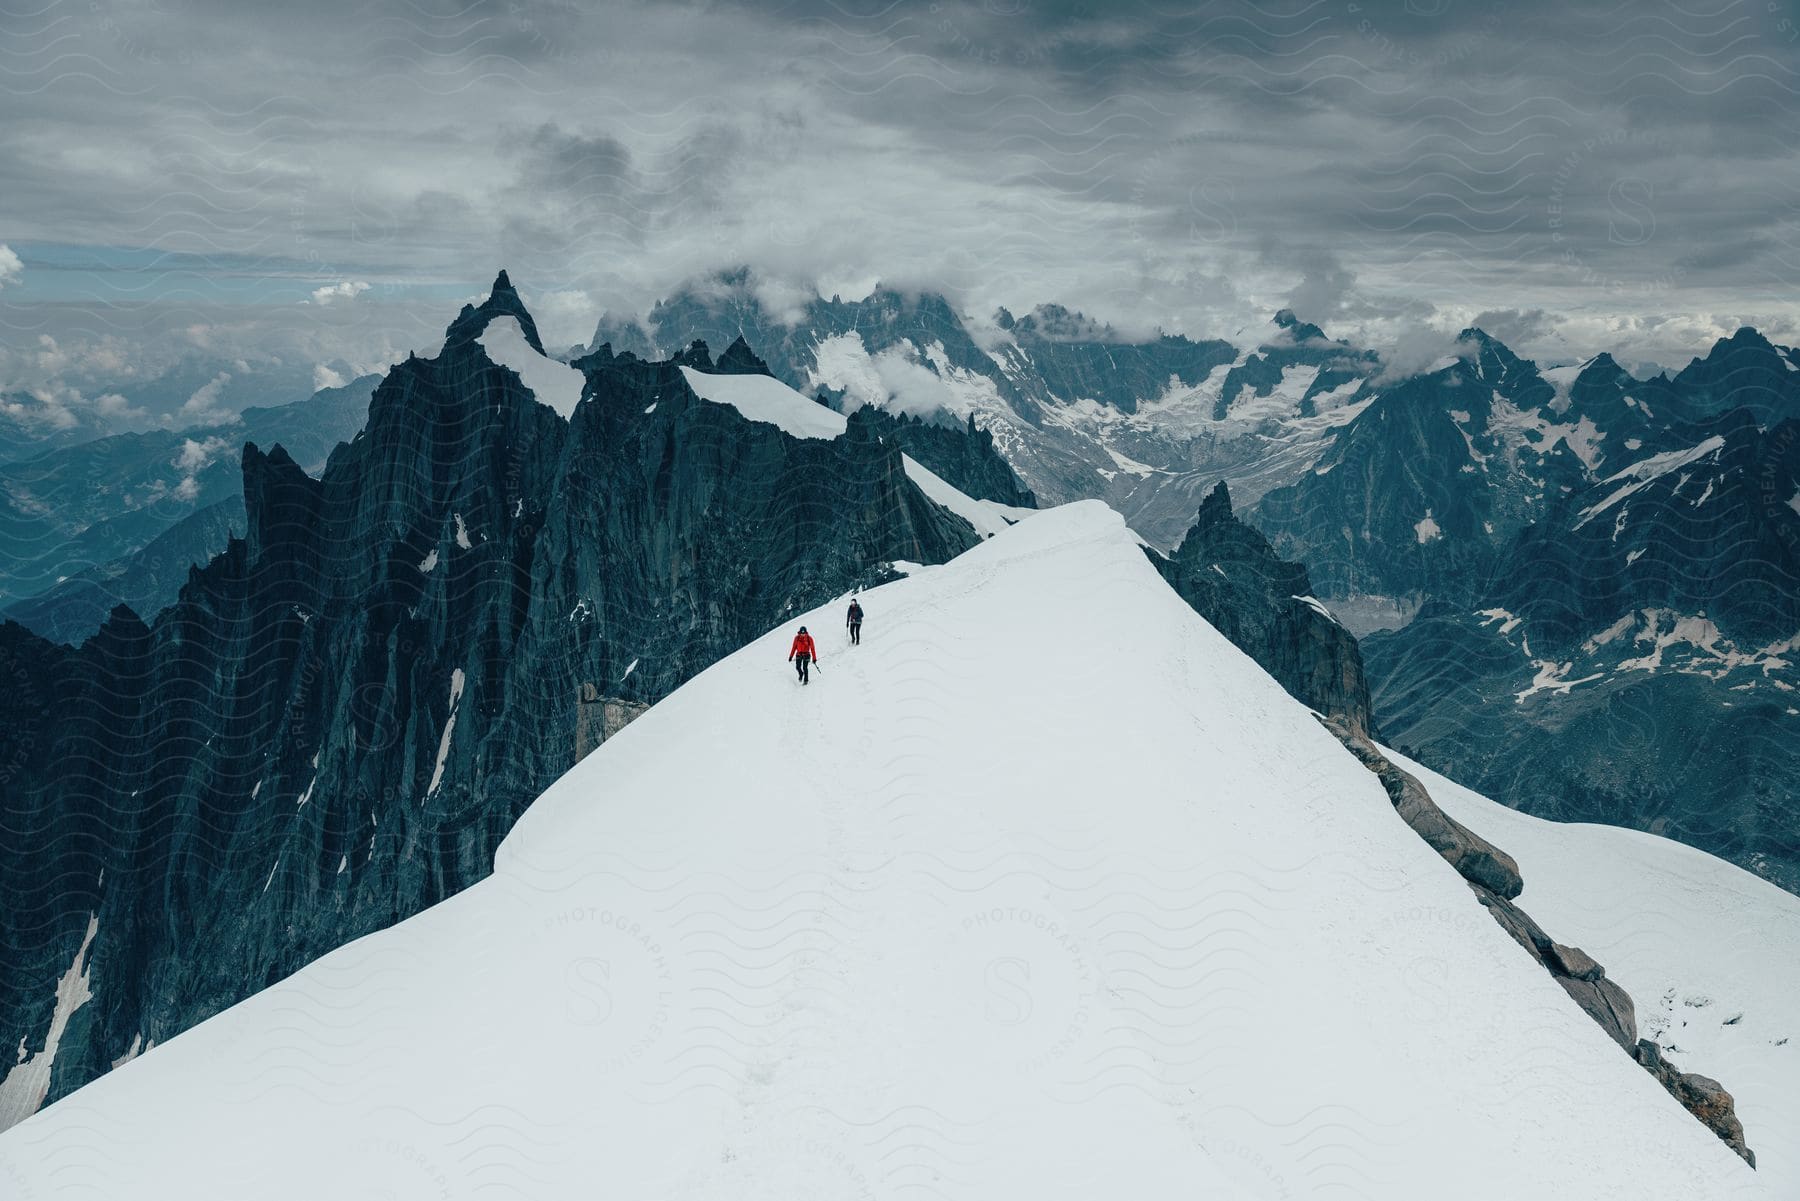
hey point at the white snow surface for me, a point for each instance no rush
(1045, 891)
(1709, 953)
(766, 399)
(988, 517)
(553, 382)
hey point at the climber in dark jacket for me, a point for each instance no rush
(802, 654)
(854, 621)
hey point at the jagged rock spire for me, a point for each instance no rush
(502, 300)
(739, 359)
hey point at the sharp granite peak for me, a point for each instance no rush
(502, 300)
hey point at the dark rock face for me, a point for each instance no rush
(1709, 533)
(1232, 577)
(1078, 357)
(1744, 371)
(1630, 662)
(344, 712)
(1493, 875)
(1414, 497)
(963, 456)
(1419, 499)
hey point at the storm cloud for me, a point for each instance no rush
(328, 181)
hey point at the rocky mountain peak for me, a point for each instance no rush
(1300, 331)
(1230, 574)
(280, 499)
(695, 355)
(739, 359)
(1745, 348)
(1215, 509)
(1602, 365)
(502, 300)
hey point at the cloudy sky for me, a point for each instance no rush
(323, 183)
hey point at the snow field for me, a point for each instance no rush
(1044, 891)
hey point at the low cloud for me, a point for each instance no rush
(1418, 350)
(10, 266)
(1325, 285)
(348, 289)
(564, 317)
(1516, 327)
(1132, 161)
(203, 407)
(193, 458)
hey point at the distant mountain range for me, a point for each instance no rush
(1603, 567)
(78, 522)
(1078, 410)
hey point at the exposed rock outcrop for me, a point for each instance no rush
(1581, 977)
(1494, 877)
(1476, 859)
(1703, 1096)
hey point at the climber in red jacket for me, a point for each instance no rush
(802, 654)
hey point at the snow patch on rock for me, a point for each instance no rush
(28, 1083)
(554, 383)
(443, 751)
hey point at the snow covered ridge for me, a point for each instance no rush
(900, 930)
(766, 399)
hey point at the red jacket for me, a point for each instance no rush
(803, 645)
